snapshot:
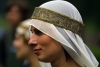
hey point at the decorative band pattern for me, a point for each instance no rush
(58, 20)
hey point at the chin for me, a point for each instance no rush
(19, 56)
(43, 59)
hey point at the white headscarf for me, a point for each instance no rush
(71, 42)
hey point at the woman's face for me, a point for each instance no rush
(46, 48)
(23, 49)
(14, 16)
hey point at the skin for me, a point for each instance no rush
(49, 50)
(14, 16)
(25, 52)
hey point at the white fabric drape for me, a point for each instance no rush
(42, 64)
(71, 42)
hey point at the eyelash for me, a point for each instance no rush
(37, 32)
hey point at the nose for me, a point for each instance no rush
(14, 43)
(33, 40)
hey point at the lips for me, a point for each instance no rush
(36, 51)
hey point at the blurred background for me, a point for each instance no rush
(11, 14)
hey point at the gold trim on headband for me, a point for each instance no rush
(58, 19)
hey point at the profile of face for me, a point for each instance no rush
(23, 49)
(46, 48)
(14, 15)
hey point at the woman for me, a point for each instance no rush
(55, 29)
(24, 51)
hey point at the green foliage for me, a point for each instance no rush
(90, 26)
(3, 22)
(96, 52)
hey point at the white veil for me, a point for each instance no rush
(71, 42)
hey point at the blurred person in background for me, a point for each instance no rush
(16, 12)
(24, 51)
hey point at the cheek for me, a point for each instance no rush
(20, 49)
(17, 16)
(48, 43)
(45, 42)
(23, 52)
(17, 43)
(50, 48)
(19, 46)
(13, 17)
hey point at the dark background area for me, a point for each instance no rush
(90, 12)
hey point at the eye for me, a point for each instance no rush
(37, 32)
(31, 31)
(17, 37)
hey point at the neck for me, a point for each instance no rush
(63, 62)
(32, 59)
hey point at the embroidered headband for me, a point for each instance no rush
(58, 20)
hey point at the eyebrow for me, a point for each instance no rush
(32, 28)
